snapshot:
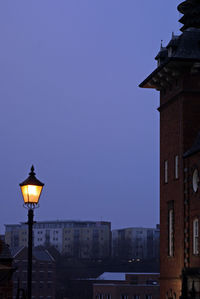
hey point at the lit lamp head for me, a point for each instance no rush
(31, 190)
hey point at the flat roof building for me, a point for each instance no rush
(127, 285)
(81, 239)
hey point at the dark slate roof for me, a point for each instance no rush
(173, 42)
(185, 46)
(180, 50)
(162, 54)
(39, 254)
(188, 44)
(194, 149)
(4, 251)
(16, 250)
(42, 255)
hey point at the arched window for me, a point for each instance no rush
(196, 236)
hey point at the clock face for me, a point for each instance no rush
(195, 180)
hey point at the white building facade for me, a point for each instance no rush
(136, 243)
(81, 239)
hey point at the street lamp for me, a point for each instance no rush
(31, 190)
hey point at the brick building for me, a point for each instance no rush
(43, 274)
(177, 77)
(81, 239)
(127, 286)
(6, 271)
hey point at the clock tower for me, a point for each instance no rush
(177, 78)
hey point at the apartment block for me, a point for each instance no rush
(81, 239)
(136, 243)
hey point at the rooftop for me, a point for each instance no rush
(38, 253)
(62, 222)
(120, 275)
(4, 251)
(182, 52)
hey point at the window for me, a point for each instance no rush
(170, 52)
(124, 297)
(196, 236)
(136, 297)
(176, 167)
(151, 282)
(166, 172)
(148, 297)
(171, 230)
(195, 180)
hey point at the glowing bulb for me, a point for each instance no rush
(31, 194)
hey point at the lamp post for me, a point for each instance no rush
(31, 190)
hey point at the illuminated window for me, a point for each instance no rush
(171, 232)
(176, 167)
(166, 172)
(196, 236)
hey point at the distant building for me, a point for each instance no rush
(127, 286)
(81, 239)
(43, 274)
(136, 243)
(6, 271)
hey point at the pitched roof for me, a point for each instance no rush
(42, 255)
(119, 275)
(4, 251)
(182, 50)
(39, 254)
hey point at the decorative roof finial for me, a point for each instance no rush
(161, 44)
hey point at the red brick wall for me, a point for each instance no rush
(6, 270)
(170, 146)
(116, 290)
(43, 275)
(179, 125)
(193, 162)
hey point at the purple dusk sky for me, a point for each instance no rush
(71, 105)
